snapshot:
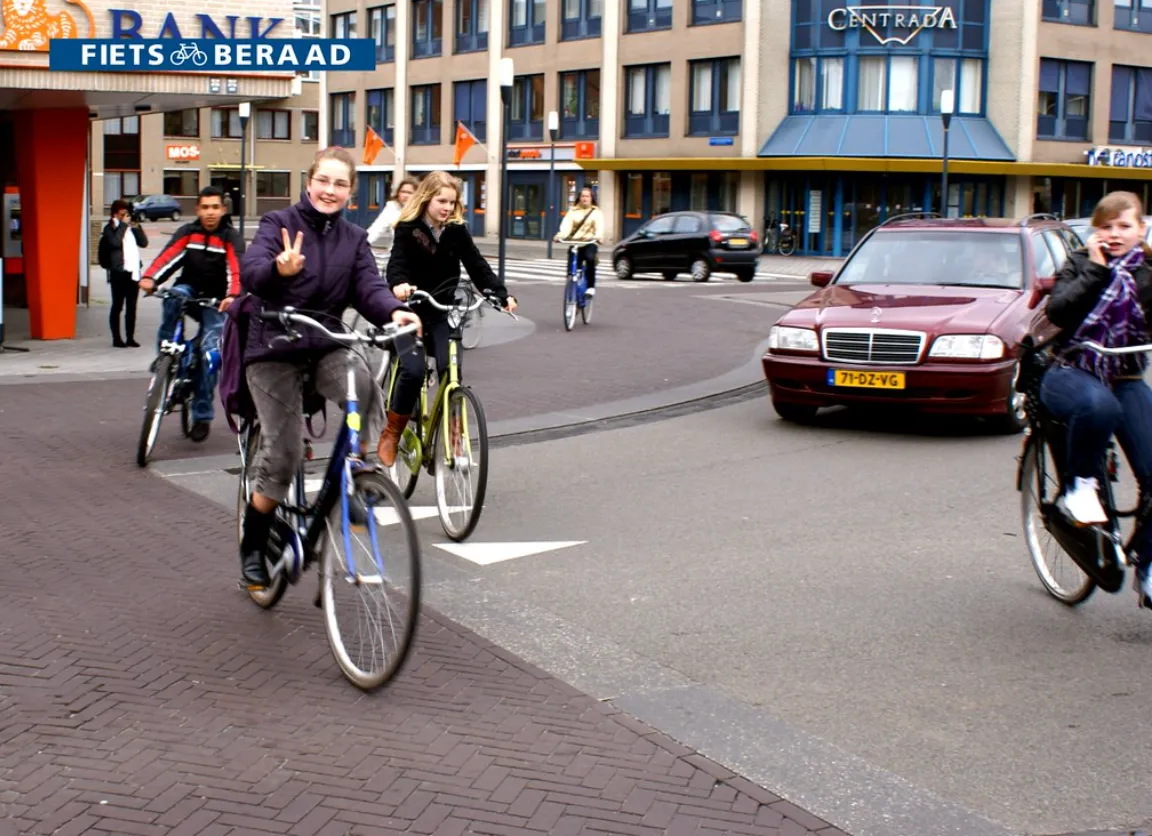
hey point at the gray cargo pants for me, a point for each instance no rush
(278, 393)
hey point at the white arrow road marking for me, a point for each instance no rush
(485, 554)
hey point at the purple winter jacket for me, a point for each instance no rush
(339, 272)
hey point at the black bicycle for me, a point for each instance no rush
(1100, 555)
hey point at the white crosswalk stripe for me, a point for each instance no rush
(545, 271)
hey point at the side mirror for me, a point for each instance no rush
(820, 278)
(1040, 288)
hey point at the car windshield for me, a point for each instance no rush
(937, 257)
(730, 223)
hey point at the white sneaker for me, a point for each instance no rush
(590, 291)
(1082, 503)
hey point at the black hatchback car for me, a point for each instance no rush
(153, 207)
(697, 243)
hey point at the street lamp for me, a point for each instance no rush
(553, 133)
(245, 112)
(946, 104)
(506, 76)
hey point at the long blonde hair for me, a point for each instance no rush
(432, 183)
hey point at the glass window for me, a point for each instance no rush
(181, 182)
(634, 196)
(702, 86)
(902, 84)
(873, 70)
(661, 192)
(990, 259)
(832, 80)
(804, 85)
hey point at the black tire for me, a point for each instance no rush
(457, 530)
(176, 215)
(586, 311)
(787, 246)
(624, 268)
(270, 596)
(1015, 418)
(331, 576)
(746, 275)
(158, 389)
(701, 270)
(795, 412)
(569, 302)
(670, 275)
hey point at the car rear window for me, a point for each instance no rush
(730, 223)
(937, 257)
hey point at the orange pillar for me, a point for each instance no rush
(51, 148)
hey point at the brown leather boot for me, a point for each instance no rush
(390, 438)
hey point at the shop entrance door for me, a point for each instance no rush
(527, 210)
(229, 183)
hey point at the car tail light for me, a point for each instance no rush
(752, 235)
(716, 236)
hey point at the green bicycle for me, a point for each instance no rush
(448, 437)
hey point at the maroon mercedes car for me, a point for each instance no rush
(926, 312)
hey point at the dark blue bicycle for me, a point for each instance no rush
(173, 382)
(576, 288)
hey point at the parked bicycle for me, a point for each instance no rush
(358, 528)
(173, 381)
(782, 242)
(1100, 554)
(448, 437)
(576, 288)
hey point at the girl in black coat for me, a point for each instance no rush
(430, 244)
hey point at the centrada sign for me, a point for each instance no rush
(908, 20)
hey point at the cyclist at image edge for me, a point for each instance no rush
(431, 242)
(204, 254)
(308, 256)
(584, 222)
(1103, 293)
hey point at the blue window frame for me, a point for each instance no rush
(580, 104)
(1065, 99)
(527, 110)
(1130, 109)
(471, 25)
(382, 26)
(714, 97)
(818, 84)
(647, 100)
(344, 25)
(380, 112)
(1133, 15)
(342, 118)
(1076, 12)
(526, 20)
(426, 115)
(581, 19)
(470, 106)
(427, 28)
(716, 11)
(649, 15)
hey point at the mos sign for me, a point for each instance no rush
(182, 152)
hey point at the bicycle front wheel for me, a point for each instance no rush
(461, 463)
(370, 581)
(787, 246)
(569, 303)
(158, 391)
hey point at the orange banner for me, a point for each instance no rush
(464, 141)
(372, 145)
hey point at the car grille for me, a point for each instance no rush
(868, 345)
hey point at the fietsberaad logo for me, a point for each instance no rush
(213, 55)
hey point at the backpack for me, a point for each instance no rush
(235, 396)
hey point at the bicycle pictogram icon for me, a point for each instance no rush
(190, 52)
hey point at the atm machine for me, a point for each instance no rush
(12, 285)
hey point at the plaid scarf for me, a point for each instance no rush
(1116, 321)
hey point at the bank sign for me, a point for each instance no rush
(281, 55)
(1120, 157)
(892, 24)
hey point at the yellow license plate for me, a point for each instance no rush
(866, 380)
(737, 242)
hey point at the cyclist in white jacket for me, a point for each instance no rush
(382, 230)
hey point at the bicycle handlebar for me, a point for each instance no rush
(1131, 349)
(202, 301)
(574, 243)
(486, 299)
(381, 336)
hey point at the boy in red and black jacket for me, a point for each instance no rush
(206, 255)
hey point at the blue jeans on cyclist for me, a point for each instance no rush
(406, 393)
(1094, 413)
(211, 326)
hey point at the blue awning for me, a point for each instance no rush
(881, 135)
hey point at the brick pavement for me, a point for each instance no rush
(140, 693)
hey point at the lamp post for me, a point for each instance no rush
(245, 112)
(553, 133)
(506, 77)
(946, 104)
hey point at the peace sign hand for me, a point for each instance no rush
(291, 261)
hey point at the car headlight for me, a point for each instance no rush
(971, 346)
(792, 339)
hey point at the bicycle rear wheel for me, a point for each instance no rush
(159, 389)
(269, 596)
(1039, 488)
(405, 471)
(370, 583)
(569, 302)
(787, 246)
(461, 463)
(586, 311)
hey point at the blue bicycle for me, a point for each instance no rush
(173, 382)
(358, 529)
(576, 288)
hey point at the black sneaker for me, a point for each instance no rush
(199, 431)
(253, 545)
(253, 571)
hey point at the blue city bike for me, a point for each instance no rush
(576, 288)
(173, 383)
(358, 529)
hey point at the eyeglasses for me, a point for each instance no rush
(338, 185)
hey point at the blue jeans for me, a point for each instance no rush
(211, 326)
(1093, 413)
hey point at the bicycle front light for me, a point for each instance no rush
(792, 339)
